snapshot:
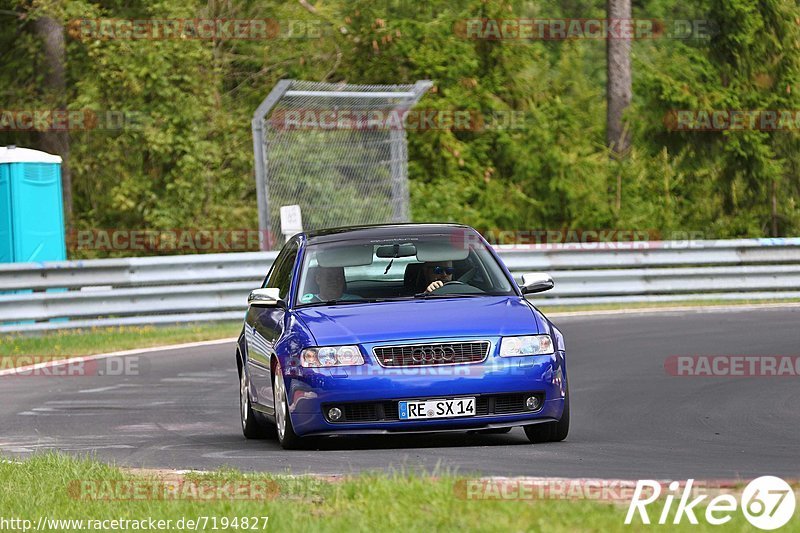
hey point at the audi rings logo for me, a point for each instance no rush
(431, 354)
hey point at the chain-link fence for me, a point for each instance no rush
(336, 150)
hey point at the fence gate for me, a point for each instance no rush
(336, 150)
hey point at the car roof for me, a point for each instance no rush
(380, 231)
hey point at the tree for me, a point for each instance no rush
(619, 90)
(51, 33)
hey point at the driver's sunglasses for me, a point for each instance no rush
(443, 270)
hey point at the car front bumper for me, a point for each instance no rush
(496, 380)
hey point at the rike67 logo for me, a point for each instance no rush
(767, 502)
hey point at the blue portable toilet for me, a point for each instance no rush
(31, 207)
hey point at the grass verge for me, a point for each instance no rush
(67, 343)
(45, 486)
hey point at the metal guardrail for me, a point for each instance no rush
(146, 290)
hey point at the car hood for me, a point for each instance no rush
(421, 319)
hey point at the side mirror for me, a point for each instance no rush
(536, 282)
(266, 298)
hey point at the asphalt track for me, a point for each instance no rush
(630, 419)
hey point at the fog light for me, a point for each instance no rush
(335, 414)
(532, 403)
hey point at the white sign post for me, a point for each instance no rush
(291, 221)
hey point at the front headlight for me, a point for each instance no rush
(527, 345)
(327, 356)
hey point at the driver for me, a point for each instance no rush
(437, 274)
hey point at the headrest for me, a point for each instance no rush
(412, 276)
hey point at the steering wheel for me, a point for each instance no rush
(453, 282)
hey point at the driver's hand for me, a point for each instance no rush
(433, 286)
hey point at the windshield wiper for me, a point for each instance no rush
(426, 295)
(343, 302)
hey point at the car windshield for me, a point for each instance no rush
(399, 268)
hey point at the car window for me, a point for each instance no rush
(397, 268)
(280, 276)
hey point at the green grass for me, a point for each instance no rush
(373, 502)
(655, 305)
(66, 343)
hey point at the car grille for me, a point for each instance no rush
(359, 412)
(432, 354)
(509, 403)
(387, 411)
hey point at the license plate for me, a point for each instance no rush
(415, 410)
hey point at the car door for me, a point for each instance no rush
(265, 325)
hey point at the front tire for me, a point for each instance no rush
(252, 426)
(550, 431)
(283, 421)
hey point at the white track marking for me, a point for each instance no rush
(80, 359)
(105, 389)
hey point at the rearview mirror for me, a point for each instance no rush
(269, 297)
(536, 282)
(396, 250)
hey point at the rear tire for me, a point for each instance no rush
(283, 420)
(550, 431)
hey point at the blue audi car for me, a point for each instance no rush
(402, 328)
